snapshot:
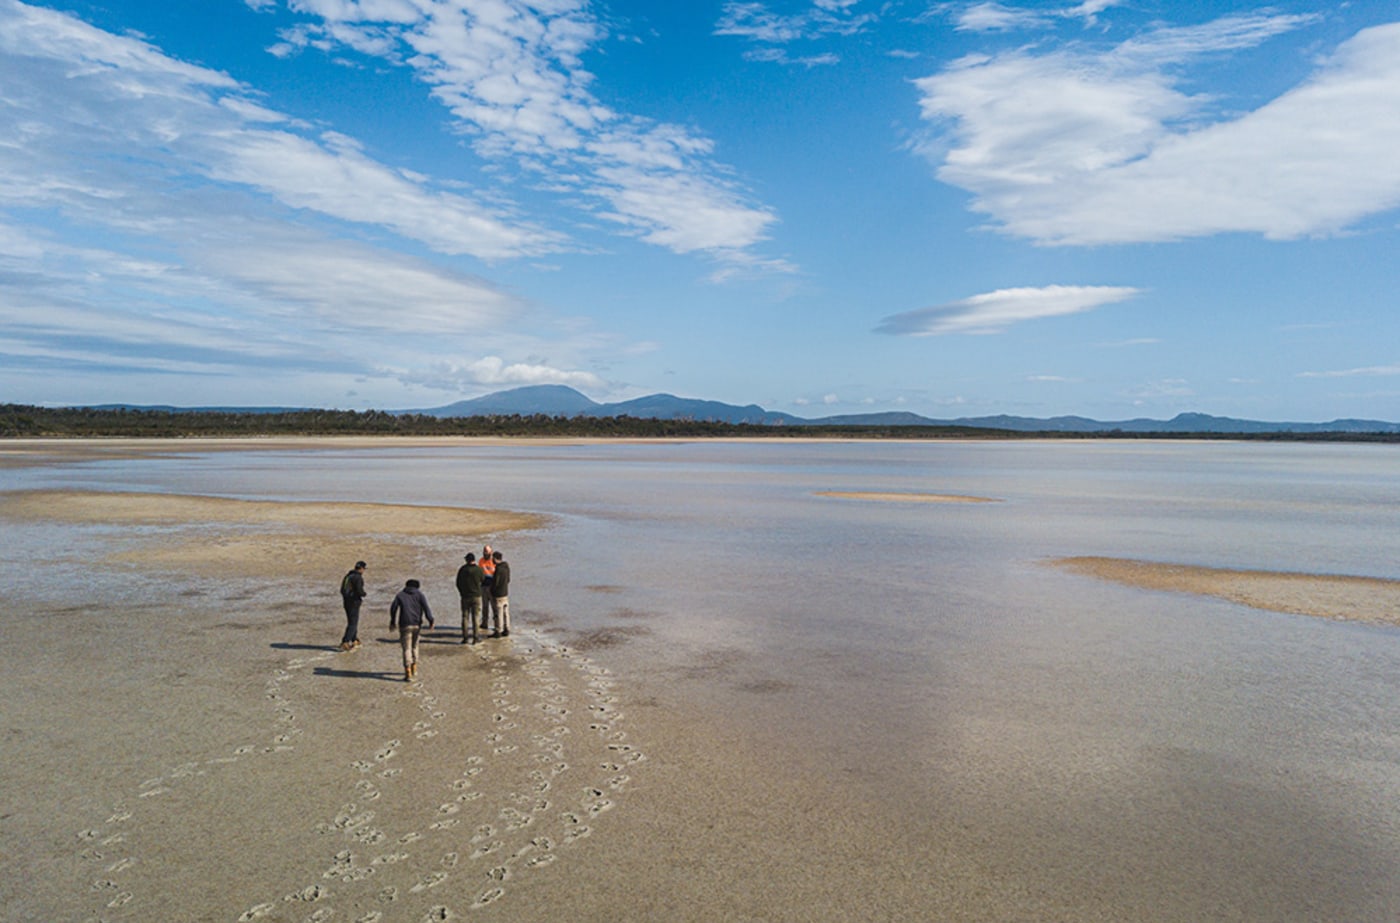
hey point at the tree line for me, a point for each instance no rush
(18, 421)
(24, 421)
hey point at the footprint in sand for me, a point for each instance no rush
(488, 897)
(389, 858)
(431, 880)
(486, 849)
(308, 894)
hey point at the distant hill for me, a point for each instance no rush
(559, 400)
(550, 400)
(563, 401)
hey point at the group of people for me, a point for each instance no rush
(484, 588)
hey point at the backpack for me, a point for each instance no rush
(347, 589)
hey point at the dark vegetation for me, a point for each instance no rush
(21, 421)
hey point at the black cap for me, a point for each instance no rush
(470, 557)
(413, 584)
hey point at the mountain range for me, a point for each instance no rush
(563, 401)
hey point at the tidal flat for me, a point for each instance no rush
(727, 696)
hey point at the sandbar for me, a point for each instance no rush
(1333, 596)
(262, 537)
(893, 497)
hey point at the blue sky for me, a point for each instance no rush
(1114, 209)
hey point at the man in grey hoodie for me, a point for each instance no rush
(408, 611)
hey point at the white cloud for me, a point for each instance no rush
(333, 177)
(354, 290)
(993, 312)
(756, 22)
(71, 91)
(493, 371)
(1073, 148)
(174, 225)
(649, 202)
(511, 73)
(780, 56)
(1368, 371)
(994, 17)
(1165, 387)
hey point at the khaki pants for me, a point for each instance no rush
(408, 640)
(500, 613)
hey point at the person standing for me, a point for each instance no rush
(410, 610)
(469, 582)
(500, 597)
(352, 593)
(488, 567)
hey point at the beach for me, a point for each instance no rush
(184, 741)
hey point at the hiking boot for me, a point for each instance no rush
(505, 632)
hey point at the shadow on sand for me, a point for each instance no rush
(284, 646)
(395, 676)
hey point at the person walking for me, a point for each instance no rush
(469, 581)
(409, 611)
(488, 567)
(352, 593)
(500, 597)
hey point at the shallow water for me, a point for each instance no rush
(1098, 751)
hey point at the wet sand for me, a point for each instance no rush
(208, 754)
(1362, 599)
(198, 749)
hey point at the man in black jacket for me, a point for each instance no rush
(500, 597)
(469, 581)
(352, 593)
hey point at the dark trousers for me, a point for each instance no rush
(352, 619)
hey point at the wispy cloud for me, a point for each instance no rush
(1367, 371)
(172, 223)
(71, 90)
(999, 17)
(996, 17)
(993, 312)
(758, 23)
(511, 74)
(1077, 147)
(493, 371)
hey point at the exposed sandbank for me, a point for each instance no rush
(890, 497)
(265, 538)
(1361, 599)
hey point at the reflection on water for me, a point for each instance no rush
(1170, 757)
